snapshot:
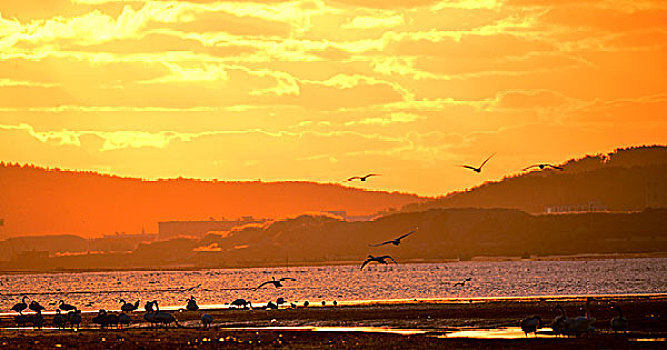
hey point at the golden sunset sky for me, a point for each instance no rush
(323, 90)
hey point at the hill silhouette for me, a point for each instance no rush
(630, 179)
(37, 201)
(442, 234)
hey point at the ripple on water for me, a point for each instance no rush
(95, 290)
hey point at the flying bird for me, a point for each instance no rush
(377, 259)
(396, 241)
(462, 283)
(276, 283)
(542, 166)
(362, 178)
(478, 170)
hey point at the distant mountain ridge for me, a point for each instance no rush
(36, 201)
(629, 179)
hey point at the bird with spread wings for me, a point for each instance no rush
(543, 166)
(396, 241)
(276, 283)
(377, 259)
(362, 178)
(479, 169)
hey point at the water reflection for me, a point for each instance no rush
(495, 333)
(95, 290)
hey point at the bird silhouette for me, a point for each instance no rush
(276, 283)
(59, 320)
(206, 320)
(129, 306)
(74, 318)
(583, 324)
(192, 304)
(19, 307)
(377, 259)
(241, 303)
(362, 178)
(542, 166)
(101, 318)
(561, 323)
(35, 306)
(65, 307)
(530, 325)
(164, 317)
(148, 306)
(396, 241)
(619, 323)
(124, 320)
(479, 169)
(462, 283)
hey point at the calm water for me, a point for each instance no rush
(95, 290)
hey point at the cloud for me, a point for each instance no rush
(393, 118)
(368, 22)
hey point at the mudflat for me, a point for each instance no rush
(422, 324)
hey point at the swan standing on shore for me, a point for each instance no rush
(583, 324)
(192, 304)
(619, 323)
(35, 306)
(19, 307)
(59, 320)
(124, 320)
(241, 303)
(66, 307)
(164, 317)
(206, 320)
(530, 325)
(74, 318)
(561, 322)
(128, 307)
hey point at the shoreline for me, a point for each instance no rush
(569, 257)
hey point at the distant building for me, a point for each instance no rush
(198, 229)
(591, 206)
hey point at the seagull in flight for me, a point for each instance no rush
(276, 283)
(362, 178)
(478, 170)
(377, 259)
(462, 283)
(396, 241)
(542, 166)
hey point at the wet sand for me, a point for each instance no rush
(425, 324)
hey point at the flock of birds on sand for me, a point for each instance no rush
(561, 324)
(69, 316)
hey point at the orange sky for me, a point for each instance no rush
(323, 90)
